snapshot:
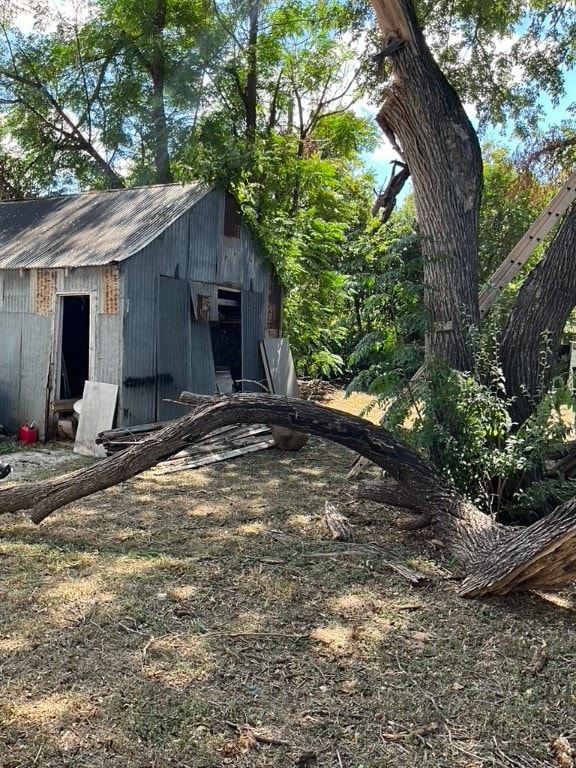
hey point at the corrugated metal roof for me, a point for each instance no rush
(90, 228)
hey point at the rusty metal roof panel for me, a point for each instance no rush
(90, 228)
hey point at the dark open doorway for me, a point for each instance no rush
(74, 346)
(227, 340)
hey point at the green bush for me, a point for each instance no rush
(461, 422)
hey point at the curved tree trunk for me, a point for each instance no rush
(423, 112)
(496, 559)
(531, 338)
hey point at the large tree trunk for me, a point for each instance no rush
(496, 559)
(163, 171)
(531, 339)
(424, 116)
(423, 113)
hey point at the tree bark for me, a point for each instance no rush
(531, 338)
(251, 89)
(424, 114)
(496, 559)
(163, 170)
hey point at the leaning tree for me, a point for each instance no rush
(496, 559)
(424, 116)
(425, 119)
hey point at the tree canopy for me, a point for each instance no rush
(264, 98)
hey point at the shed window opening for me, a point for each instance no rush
(226, 334)
(74, 346)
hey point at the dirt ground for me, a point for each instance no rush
(206, 618)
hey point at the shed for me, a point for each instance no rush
(155, 289)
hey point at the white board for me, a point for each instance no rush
(281, 377)
(279, 367)
(96, 415)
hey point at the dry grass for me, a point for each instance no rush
(206, 619)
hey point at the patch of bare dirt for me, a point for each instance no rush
(207, 618)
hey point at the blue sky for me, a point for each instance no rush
(379, 161)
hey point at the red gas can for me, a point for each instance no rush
(28, 434)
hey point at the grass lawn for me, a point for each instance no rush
(206, 618)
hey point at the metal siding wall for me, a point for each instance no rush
(230, 264)
(205, 238)
(169, 256)
(10, 365)
(252, 325)
(108, 348)
(15, 293)
(169, 253)
(35, 369)
(173, 345)
(203, 375)
(138, 391)
(199, 231)
(255, 271)
(80, 280)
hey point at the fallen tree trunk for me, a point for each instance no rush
(497, 559)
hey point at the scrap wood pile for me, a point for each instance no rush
(316, 390)
(223, 443)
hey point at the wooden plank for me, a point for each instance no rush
(137, 429)
(234, 440)
(203, 462)
(528, 243)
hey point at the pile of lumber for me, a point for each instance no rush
(224, 443)
(316, 390)
(115, 440)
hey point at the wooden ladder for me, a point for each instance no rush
(528, 243)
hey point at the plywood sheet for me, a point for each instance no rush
(281, 377)
(279, 367)
(96, 415)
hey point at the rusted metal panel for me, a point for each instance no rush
(91, 228)
(252, 327)
(44, 291)
(111, 291)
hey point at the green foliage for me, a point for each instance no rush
(512, 199)
(503, 56)
(305, 210)
(461, 422)
(384, 320)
